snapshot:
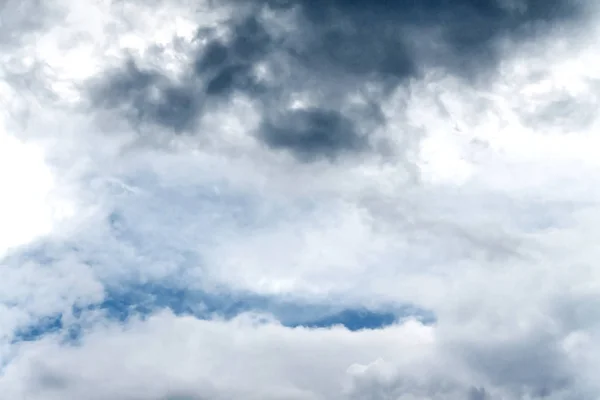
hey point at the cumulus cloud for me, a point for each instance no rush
(210, 359)
(299, 200)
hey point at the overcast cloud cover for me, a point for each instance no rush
(299, 199)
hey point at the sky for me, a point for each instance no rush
(299, 200)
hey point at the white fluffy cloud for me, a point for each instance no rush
(213, 359)
(147, 143)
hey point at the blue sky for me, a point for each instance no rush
(142, 301)
(299, 200)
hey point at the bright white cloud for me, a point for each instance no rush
(27, 207)
(216, 359)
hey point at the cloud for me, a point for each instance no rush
(201, 374)
(195, 357)
(312, 133)
(20, 18)
(398, 40)
(148, 97)
(325, 59)
(27, 184)
(229, 66)
(299, 199)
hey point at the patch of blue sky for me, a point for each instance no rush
(49, 325)
(44, 326)
(142, 300)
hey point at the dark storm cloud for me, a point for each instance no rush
(343, 43)
(227, 67)
(221, 68)
(147, 97)
(251, 41)
(477, 394)
(228, 79)
(390, 38)
(328, 50)
(312, 133)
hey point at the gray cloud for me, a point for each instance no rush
(312, 133)
(19, 18)
(146, 96)
(226, 67)
(329, 51)
(379, 37)
(531, 366)
(319, 82)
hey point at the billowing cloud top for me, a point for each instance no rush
(299, 199)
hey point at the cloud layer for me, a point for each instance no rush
(298, 199)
